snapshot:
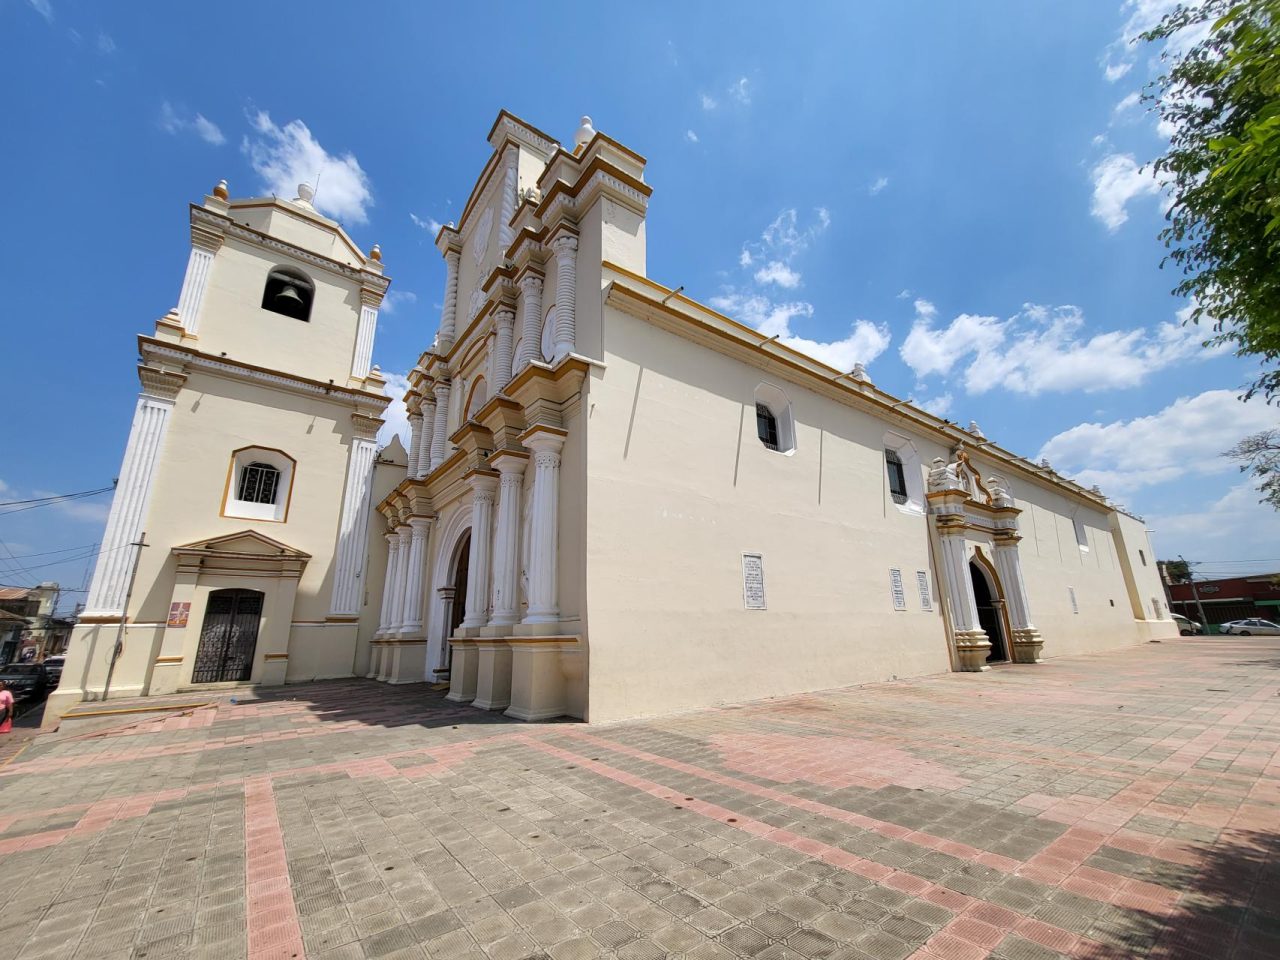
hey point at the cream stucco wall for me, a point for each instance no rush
(679, 487)
(234, 323)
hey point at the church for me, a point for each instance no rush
(616, 501)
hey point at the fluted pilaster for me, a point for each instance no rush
(440, 433)
(415, 442)
(506, 542)
(353, 529)
(449, 315)
(422, 466)
(386, 615)
(483, 489)
(530, 305)
(504, 322)
(544, 598)
(411, 624)
(566, 248)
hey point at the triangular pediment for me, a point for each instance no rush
(243, 542)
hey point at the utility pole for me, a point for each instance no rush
(1195, 593)
(124, 614)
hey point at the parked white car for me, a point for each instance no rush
(1251, 628)
(1186, 626)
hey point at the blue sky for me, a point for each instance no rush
(950, 193)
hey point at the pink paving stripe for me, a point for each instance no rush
(966, 926)
(272, 916)
(1065, 855)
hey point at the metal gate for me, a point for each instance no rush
(229, 636)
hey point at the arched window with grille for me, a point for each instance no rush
(258, 483)
(897, 477)
(766, 426)
(775, 425)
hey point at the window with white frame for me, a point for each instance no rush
(904, 476)
(259, 484)
(775, 425)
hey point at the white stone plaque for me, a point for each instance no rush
(1071, 593)
(926, 596)
(896, 589)
(753, 581)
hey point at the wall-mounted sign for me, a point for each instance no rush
(896, 589)
(1071, 593)
(753, 581)
(178, 614)
(926, 596)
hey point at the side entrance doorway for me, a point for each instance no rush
(229, 637)
(990, 612)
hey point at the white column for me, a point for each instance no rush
(530, 318)
(506, 543)
(505, 321)
(544, 599)
(566, 248)
(1009, 566)
(191, 299)
(440, 433)
(448, 316)
(446, 618)
(423, 464)
(415, 442)
(404, 535)
(482, 492)
(353, 529)
(955, 568)
(386, 618)
(508, 208)
(129, 506)
(364, 337)
(411, 622)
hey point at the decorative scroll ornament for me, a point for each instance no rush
(480, 238)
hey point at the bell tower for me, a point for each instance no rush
(249, 465)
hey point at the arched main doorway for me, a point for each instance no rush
(228, 637)
(990, 612)
(458, 580)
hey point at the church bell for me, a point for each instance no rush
(289, 298)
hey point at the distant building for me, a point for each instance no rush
(29, 628)
(1235, 598)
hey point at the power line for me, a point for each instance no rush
(50, 553)
(57, 496)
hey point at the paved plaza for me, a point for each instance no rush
(1119, 805)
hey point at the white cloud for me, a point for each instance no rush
(430, 224)
(691, 136)
(395, 298)
(775, 271)
(785, 235)
(287, 156)
(877, 185)
(44, 8)
(106, 46)
(740, 91)
(708, 102)
(865, 342)
(1043, 349)
(1233, 525)
(939, 406)
(174, 120)
(1128, 103)
(1185, 438)
(395, 419)
(744, 258)
(1117, 180)
(1115, 71)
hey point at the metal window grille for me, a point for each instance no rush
(766, 426)
(258, 483)
(897, 476)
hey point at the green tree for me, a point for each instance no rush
(1178, 571)
(1221, 100)
(1259, 454)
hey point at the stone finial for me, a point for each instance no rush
(976, 430)
(306, 193)
(376, 254)
(221, 192)
(999, 490)
(1044, 464)
(860, 373)
(944, 476)
(582, 136)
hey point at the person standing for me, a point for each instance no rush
(6, 708)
